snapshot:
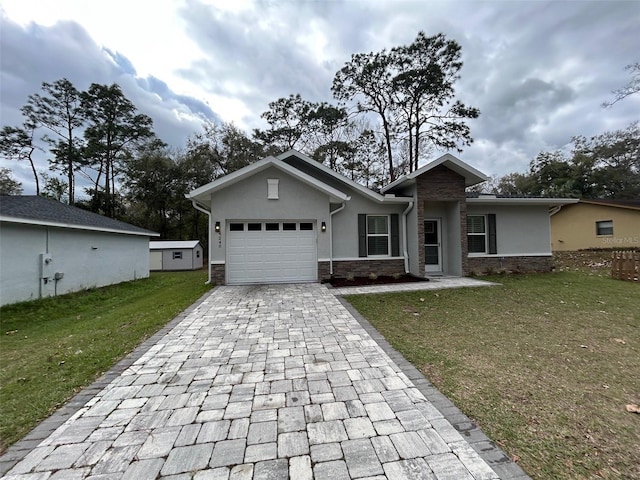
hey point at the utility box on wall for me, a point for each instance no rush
(46, 266)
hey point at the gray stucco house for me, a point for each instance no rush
(292, 219)
(48, 248)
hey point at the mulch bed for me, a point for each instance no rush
(382, 280)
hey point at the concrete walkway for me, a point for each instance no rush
(266, 382)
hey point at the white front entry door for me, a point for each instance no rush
(432, 246)
(271, 252)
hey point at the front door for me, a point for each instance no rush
(432, 246)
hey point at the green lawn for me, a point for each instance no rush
(50, 349)
(546, 364)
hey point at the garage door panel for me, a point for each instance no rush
(271, 256)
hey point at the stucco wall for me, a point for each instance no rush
(345, 224)
(87, 259)
(574, 227)
(247, 200)
(520, 229)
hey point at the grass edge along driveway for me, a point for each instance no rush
(545, 364)
(51, 349)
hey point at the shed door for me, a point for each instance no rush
(155, 260)
(271, 252)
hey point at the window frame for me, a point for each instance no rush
(484, 234)
(176, 255)
(388, 235)
(600, 227)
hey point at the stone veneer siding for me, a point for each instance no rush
(361, 268)
(442, 185)
(218, 273)
(485, 265)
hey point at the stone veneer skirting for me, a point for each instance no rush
(361, 268)
(341, 268)
(485, 265)
(218, 273)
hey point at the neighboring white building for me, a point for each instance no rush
(175, 255)
(48, 248)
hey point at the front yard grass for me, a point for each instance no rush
(52, 348)
(545, 364)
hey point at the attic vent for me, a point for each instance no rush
(272, 188)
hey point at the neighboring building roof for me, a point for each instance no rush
(35, 210)
(470, 174)
(171, 245)
(632, 204)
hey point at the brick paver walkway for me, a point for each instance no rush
(265, 382)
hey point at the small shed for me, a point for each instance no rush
(175, 255)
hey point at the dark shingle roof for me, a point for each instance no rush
(49, 211)
(498, 195)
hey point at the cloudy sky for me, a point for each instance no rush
(538, 71)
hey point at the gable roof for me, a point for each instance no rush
(342, 179)
(335, 194)
(630, 204)
(162, 245)
(200, 193)
(470, 174)
(36, 210)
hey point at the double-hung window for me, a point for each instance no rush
(477, 233)
(377, 235)
(481, 233)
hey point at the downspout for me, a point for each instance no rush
(555, 209)
(405, 241)
(331, 214)
(200, 209)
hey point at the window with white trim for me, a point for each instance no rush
(378, 237)
(177, 255)
(604, 227)
(477, 233)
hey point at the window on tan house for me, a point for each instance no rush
(604, 227)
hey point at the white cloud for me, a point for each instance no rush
(538, 71)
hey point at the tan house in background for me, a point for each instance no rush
(596, 224)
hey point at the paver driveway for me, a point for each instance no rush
(267, 382)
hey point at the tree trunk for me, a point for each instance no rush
(387, 137)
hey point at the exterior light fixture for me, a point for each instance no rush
(217, 227)
(323, 226)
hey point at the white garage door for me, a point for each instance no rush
(271, 252)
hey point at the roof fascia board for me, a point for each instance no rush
(605, 204)
(263, 164)
(447, 157)
(341, 178)
(521, 201)
(45, 223)
(232, 177)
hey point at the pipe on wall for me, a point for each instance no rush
(405, 244)
(331, 214)
(210, 247)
